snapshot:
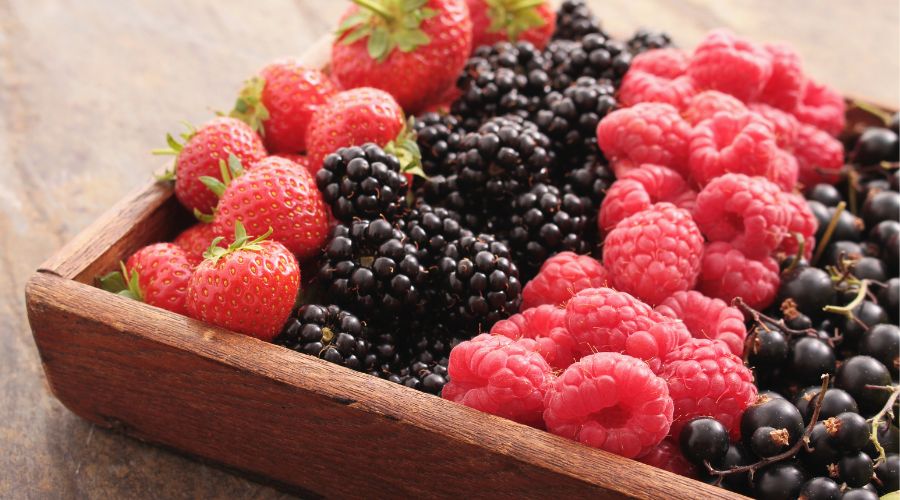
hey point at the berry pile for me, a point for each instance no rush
(667, 255)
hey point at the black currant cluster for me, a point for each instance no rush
(836, 316)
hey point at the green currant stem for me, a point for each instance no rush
(829, 231)
(876, 420)
(801, 247)
(790, 452)
(847, 310)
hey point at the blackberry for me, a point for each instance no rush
(363, 182)
(436, 135)
(479, 282)
(574, 20)
(644, 40)
(427, 377)
(327, 332)
(545, 222)
(500, 79)
(569, 118)
(371, 267)
(595, 55)
(384, 352)
(590, 181)
(430, 229)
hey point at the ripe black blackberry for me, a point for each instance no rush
(479, 283)
(371, 267)
(327, 332)
(501, 79)
(574, 20)
(589, 181)
(544, 222)
(569, 118)
(595, 55)
(430, 229)
(436, 135)
(363, 182)
(644, 39)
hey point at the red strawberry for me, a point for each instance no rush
(513, 20)
(413, 49)
(157, 274)
(277, 195)
(201, 154)
(355, 117)
(301, 160)
(195, 240)
(249, 287)
(280, 102)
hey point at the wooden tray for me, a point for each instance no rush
(305, 424)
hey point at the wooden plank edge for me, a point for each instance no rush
(596, 470)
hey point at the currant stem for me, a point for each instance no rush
(847, 310)
(877, 419)
(829, 231)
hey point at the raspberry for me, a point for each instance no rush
(561, 277)
(668, 62)
(819, 156)
(727, 273)
(822, 107)
(604, 320)
(745, 211)
(706, 379)
(742, 143)
(667, 456)
(612, 402)
(645, 133)
(641, 86)
(707, 318)
(499, 376)
(785, 170)
(638, 189)
(783, 124)
(709, 102)
(784, 90)
(654, 253)
(730, 64)
(546, 325)
(800, 221)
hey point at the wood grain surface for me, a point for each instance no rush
(87, 88)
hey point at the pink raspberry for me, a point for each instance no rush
(638, 189)
(709, 102)
(784, 124)
(727, 273)
(641, 86)
(645, 133)
(667, 456)
(561, 277)
(706, 379)
(604, 320)
(667, 62)
(612, 402)
(731, 143)
(707, 318)
(785, 170)
(730, 64)
(784, 90)
(500, 376)
(802, 222)
(822, 107)
(746, 211)
(654, 253)
(819, 156)
(546, 325)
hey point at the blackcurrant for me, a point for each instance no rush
(821, 451)
(881, 206)
(888, 438)
(856, 469)
(834, 402)
(859, 494)
(888, 474)
(865, 316)
(810, 288)
(825, 194)
(810, 358)
(704, 440)
(870, 268)
(779, 481)
(889, 298)
(855, 374)
(849, 431)
(775, 413)
(820, 488)
(882, 342)
(769, 349)
(875, 145)
(768, 441)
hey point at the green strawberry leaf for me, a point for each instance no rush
(249, 107)
(514, 16)
(116, 283)
(379, 44)
(388, 24)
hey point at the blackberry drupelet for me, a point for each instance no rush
(384, 352)
(363, 182)
(372, 268)
(545, 222)
(327, 332)
(430, 229)
(574, 20)
(501, 79)
(595, 55)
(569, 118)
(437, 135)
(644, 40)
(589, 181)
(479, 282)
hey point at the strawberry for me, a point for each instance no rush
(157, 274)
(277, 195)
(513, 20)
(249, 287)
(280, 102)
(413, 49)
(355, 117)
(195, 240)
(301, 160)
(201, 154)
